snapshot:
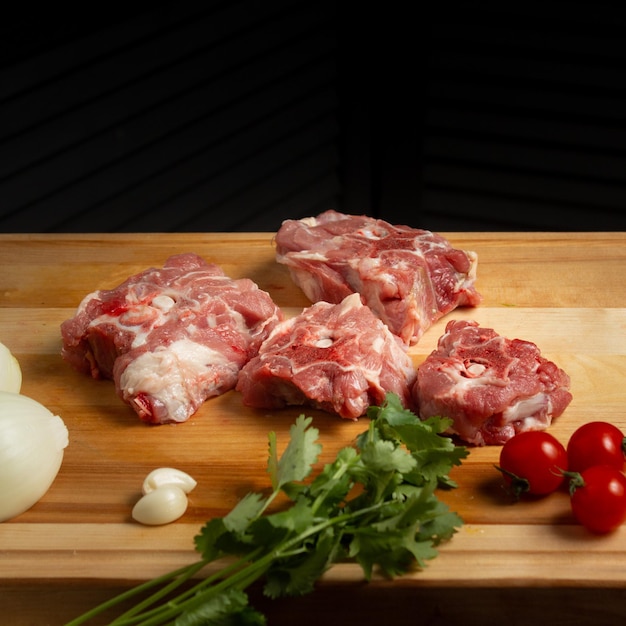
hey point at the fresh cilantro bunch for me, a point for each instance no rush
(375, 505)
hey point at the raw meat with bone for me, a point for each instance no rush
(490, 386)
(170, 337)
(408, 277)
(336, 357)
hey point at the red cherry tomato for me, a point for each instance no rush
(596, 443)
(533, 463)
(598, 498)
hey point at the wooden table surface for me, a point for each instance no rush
(512, 562)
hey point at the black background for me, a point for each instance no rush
(226, 116)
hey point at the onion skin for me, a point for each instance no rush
(32, 445)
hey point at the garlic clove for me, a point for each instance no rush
(168, 476)
(160, 506)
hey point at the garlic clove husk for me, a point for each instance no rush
(32, 445)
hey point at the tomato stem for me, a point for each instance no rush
(576, 481)
(518, 485)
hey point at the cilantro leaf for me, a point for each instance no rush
(435, 453)
(244, 512)
(271, 530)
(227, 534)
(206, 541)
(297, 575)
(333, 484)
(440, 525)
(226, 609)
(384, 456)
(298, 459)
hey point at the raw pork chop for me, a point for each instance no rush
(336, 357)
(408, 277)
(172, 337)
(491, 387)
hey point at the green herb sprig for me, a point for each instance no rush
(374, 505)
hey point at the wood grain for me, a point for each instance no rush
(565, 291)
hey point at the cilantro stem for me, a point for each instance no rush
(178, 576)
(341, 470)
(240, 579)
(124, 620)
(163, 591)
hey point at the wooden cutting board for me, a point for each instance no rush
(565, 292)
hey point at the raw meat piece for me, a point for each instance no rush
(171, 337)
(408, 277)
(490, 386)
(336, 357)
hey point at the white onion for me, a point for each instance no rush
(32, 443)
(10, 371)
